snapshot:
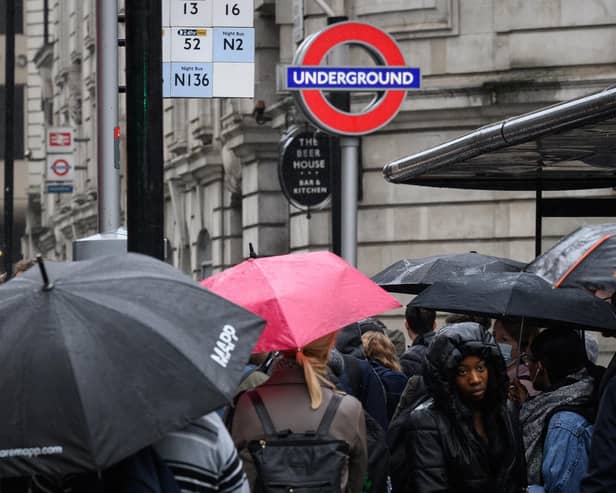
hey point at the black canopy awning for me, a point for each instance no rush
(567, 146)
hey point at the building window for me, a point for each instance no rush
(204, 255)
(19, 122)
(19, 16)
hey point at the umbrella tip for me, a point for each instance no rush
(47, 285)
(251, 250)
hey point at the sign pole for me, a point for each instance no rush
(144, 128)
(9, 135)
(112, 238)
(349, 147)
(107, 116)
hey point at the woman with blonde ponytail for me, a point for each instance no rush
(295, 397)
(313, 359)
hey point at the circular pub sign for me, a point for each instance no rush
(304, 168)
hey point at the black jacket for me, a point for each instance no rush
(444, 453)
(601, 475)
(412, 360)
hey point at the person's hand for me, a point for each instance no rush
(517, 392)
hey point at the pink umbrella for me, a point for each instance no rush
(302, 296)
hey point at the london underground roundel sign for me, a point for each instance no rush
(60, 167)
(390, 78)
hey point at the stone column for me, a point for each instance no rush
(265, 211)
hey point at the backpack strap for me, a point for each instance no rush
(330, 412)
(264, 417)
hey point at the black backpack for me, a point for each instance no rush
(312, 461)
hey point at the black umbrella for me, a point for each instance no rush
(108, 356)
(587, 252)
(414, 275)
(521, 294)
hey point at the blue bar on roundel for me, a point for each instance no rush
(353, 78)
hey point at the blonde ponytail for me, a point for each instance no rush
(313, 359)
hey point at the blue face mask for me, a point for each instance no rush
(505, 350)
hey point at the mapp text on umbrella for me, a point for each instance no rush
(224, 345)
(31, 451)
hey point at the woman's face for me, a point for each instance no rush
(472, 379)
(501, 336)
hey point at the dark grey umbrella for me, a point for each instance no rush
(588, 252)
(108, 357)
(521, 294)
(414, 275)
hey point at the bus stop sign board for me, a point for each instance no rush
(390, 78)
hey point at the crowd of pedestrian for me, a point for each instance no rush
(471, 406)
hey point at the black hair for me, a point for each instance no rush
(456, 318)
(420, 320)
(561, 352)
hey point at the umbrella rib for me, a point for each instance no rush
(89, 437)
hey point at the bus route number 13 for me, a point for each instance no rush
(191, 8)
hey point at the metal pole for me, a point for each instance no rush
(350, 174)
(336, 180)
(107, 115)
(45, 22)
(538, 217)
(9, 135)
(144, 127)
(342, 101)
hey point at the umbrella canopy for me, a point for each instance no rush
(589, 251)
(414, 275)
(111, 355)
(302, 296)
(593, 283)
(521, 294)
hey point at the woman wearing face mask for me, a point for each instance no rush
(507, 336)
(464, 439)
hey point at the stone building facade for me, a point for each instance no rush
(481, 61)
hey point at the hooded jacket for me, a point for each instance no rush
(356, 374)
(444, 452)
